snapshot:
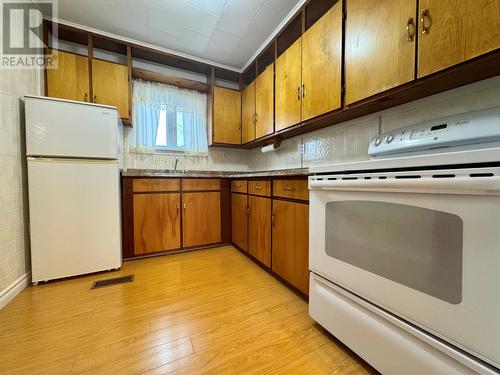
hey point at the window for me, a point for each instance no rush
(167, 118)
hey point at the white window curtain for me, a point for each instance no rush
(167, 118)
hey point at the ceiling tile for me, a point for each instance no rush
(238, 15)
(173, 11)
(212, 7)
(224, 31)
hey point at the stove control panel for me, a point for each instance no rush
(467, 129)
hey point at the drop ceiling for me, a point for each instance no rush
(227, 32)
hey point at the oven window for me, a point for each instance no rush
(414, 246)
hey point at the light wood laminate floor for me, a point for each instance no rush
(212, 311)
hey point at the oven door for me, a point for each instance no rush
(424, 246)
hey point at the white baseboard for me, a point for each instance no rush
(14, 289)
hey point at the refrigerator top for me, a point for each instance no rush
(67, 129)
(69, 101)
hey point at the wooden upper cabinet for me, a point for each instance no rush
(71, 78)
(483, 33)
(379, 46)
(239, 220)
(157, 222)
(259, 229)
(454, 31)
(322, 64)
(290, 243)
(264, 102)
(227, 116)
(201, 220)
(288, 82)
(248, 113)
(111, 86)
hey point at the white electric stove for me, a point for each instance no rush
(405, 248)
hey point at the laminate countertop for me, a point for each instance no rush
(214, 174)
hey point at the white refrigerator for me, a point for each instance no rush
(73, 187)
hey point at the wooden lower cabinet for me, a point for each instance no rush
(259, 229)
(157, 223)
(239, 220)
(290, 243)
(201, 218)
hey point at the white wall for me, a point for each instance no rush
(349, 141)
(14, 238)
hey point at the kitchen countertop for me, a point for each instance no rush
(219, 174)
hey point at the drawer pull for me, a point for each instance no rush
(410, 29)
(289, 188)
(258, 188)
(425, 20)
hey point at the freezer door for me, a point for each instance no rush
(70, 129)
(75, 219)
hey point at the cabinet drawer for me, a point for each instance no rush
(259, 188)
(294, 189)
(194, 184)
(155, 184)
(239, 186)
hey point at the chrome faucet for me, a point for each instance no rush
(175, 165)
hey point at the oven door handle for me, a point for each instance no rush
(456, 185)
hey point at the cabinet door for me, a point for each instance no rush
(71, 78)
(483, 32)
(259, 229)
(378, 53)
(201, 220)
(322, 64)
(248, 113)
(239, 220)
(157, 223)
(455, 31)
(290, 233)
(227, 116)
(442, 43)
(264, 102)
(288, 80)
(111, 86)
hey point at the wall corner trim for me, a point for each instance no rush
(14, 289)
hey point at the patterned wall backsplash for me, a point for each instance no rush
(349, 141)
(335, 144)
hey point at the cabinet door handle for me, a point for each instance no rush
(95, 98)
(426, 21)
(86, 97)
(298, 93)
(289, 188)
(247, 209)
(178, 208)
(410, 29)
(303, 90)
(273, 219)
(184, 205)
